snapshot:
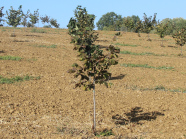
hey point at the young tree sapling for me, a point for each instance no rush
(180, 37)
(14, 17)
(95, 64)
(161, 30)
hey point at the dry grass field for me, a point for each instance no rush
(147, 99)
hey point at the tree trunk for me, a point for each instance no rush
(139, 34)
(94, 115)
(162, 42)
(148, 37)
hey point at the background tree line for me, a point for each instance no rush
(113, 22)
(18, 17)
(109, 21)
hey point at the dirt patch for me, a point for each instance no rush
(141, 103)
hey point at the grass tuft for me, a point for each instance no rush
(159, 88)
(105, 132)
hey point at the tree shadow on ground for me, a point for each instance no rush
(33, 35)
(102, 40)
(101, 46)
(172, 46)
(21, 41)
(2, 51)
(121, 76)
(136, 115)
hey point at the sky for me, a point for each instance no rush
(63, 10)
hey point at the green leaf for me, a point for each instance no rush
(75, 65)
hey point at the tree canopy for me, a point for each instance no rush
(24, 18)
(1, 15)
(34, 18)
(14, 16)
(148, 23)
(110, 20)
(54, 23)
(45, 19)
(174, 24)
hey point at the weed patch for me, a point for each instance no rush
(70, 131)
(16, 58)
(159, 87)
(125, 44)
(145, 66)
(45, 46)
(32, 59)
(34, 30)
(3, 29)
(17, 79)
(145, 53)
(177, 90)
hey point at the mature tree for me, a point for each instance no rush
(109, 28)
(1, 15)
(34, 18)
(54, 23)
(130, 22)
(111, 20)
(179, 23)
(174, 24)
(118, 24)
(135, 19)
(148, 24)
(161, 30)
(180, 37)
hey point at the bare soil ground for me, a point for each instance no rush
(142, 103)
